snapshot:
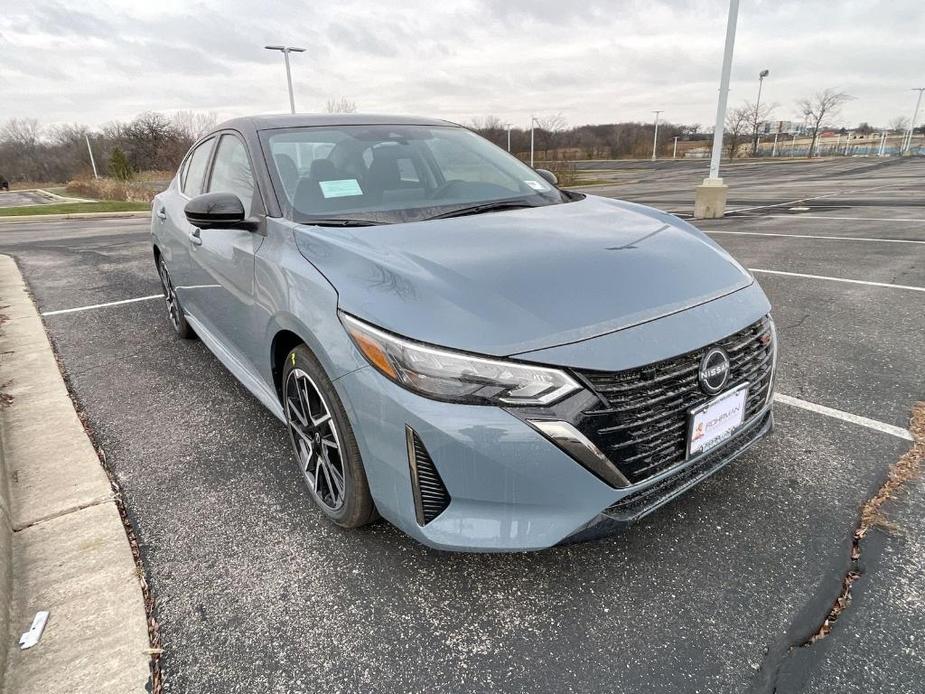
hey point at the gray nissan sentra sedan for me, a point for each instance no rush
(454, 343)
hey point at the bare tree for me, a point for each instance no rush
(487, 123)
(341, 105)
(900, 124)
(548, 130)
(819, 108)
(738, 122)
(491, 128)
(757, 115)
(20, 141)
(191, 125)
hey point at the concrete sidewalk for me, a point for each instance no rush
(63, 547)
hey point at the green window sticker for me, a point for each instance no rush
(340, 189)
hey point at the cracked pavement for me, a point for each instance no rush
(255, 592)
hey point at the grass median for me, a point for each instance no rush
(74, 208)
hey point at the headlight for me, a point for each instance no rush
(445, 375)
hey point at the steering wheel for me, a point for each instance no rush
(450, 186)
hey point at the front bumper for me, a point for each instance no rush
(511, 488)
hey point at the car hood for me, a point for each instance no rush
(514, 281)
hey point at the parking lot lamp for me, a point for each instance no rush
(532, 125)
(286, 50)
(907, 142)
(655, 137)
(710, 198)
(761, 76)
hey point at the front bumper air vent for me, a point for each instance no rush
(430, 495)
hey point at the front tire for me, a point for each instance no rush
(323, 442)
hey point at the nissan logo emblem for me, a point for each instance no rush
(714, 370)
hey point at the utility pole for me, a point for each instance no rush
(286, 50)
(761, 76)
(710, 198)
(674, 152)
(907, 142)
(92, 160)
(655, 138)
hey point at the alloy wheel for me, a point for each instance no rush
(170, 296)
(315, 440)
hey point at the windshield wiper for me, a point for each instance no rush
(341, 222)
(485, 207)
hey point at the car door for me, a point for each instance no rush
(171, 219)
(221, 280)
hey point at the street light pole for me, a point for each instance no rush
(508, 137)
(907, 144)
(286, 50)
(655, 137)
(674, 151)
(532, 124)
(710, 198)
(761, 76)
(92, 160)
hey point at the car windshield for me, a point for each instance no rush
(384, 174)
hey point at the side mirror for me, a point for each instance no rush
(549, 176)
(216, 210)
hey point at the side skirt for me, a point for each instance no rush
(247, 377)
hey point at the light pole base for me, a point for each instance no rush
(710, 199)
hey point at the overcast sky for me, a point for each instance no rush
(593, 61)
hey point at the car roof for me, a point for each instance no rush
(295, 120)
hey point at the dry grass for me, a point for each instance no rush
(137, 190)
(907, 468)
(143, 186)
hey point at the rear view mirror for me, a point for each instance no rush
(548, 176)
(216, 210)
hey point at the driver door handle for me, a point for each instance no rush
(195, 238)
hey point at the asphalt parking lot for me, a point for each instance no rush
(717, 592)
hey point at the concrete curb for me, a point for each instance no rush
(68, 552)
(76, 215)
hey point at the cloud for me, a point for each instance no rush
(595, 61)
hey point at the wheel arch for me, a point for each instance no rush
(326, 340)
(283, 342)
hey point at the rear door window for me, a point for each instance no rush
(196, 169)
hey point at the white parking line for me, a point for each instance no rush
(844, 416)
(838, 279)
(844, 219)
(809, 236)
(109, 303)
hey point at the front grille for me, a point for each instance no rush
(642, 427)
(638, 504)
(430, 495)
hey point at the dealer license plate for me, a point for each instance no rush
(717, 420)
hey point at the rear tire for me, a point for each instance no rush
(323, 442)
(174, 309)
